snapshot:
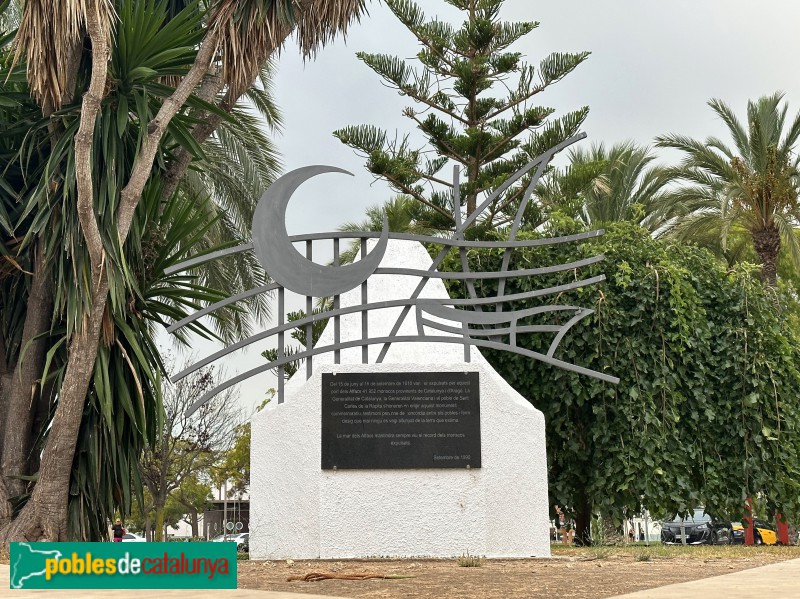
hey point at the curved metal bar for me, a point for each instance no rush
(571, 323)
(431, 306)
(288, 326)
(529, 272)
(402, 339)
(534, 328)
(394, 271)
(206, 257)
(544, 158)
(450, 242)
(512, 235)
(221, 304)
(434, 308)
(525, 295)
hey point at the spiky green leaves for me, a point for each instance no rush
(606, 185)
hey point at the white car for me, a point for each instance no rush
(130, 537)
(238, 538)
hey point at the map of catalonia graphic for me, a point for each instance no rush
(30, 563)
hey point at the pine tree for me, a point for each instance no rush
(473, 104)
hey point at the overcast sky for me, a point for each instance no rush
(653, 67)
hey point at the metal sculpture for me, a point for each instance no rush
(471, 326)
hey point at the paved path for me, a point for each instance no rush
(776, 581)
(7, 593)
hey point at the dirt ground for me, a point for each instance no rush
(576, 573)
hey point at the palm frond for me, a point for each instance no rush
(49, 38)
(253, 31)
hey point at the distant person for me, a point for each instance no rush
(119, 531)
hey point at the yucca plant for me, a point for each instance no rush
(92, 219)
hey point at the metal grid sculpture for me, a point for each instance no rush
(471, 326)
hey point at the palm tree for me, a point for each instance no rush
(105, 171)
(402, 214)
(604, 185)
(751, 188)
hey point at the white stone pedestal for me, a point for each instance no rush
(300, 511)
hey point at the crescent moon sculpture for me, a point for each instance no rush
(284, 263)
(446, 320)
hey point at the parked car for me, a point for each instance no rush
(763, 533)
(130, 537)
(737, 533)
(699, 528)
(239, 538)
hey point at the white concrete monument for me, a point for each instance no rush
(300, 511)
(399, 439)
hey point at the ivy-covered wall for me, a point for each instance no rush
(708, 406)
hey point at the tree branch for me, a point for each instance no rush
(3, 359)
(515, 103)
(201, 131)
(430, 103)
(131, 194)
(433, 179)
(5, 390)
(84, 140)
(417, 196)
(453, 154)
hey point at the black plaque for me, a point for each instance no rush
(401, 420)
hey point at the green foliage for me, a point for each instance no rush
(154, 42)
(193, 494)
(462, 113)
(605, 185)
(299, 334)
(143, 513)
(706, 411)
(235, 463)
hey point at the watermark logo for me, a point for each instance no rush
(123, 566)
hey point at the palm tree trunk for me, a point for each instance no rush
(25, 386)
(41, 416)
(767, 243)
(5, 389)
(18, 390)
(44, 517)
